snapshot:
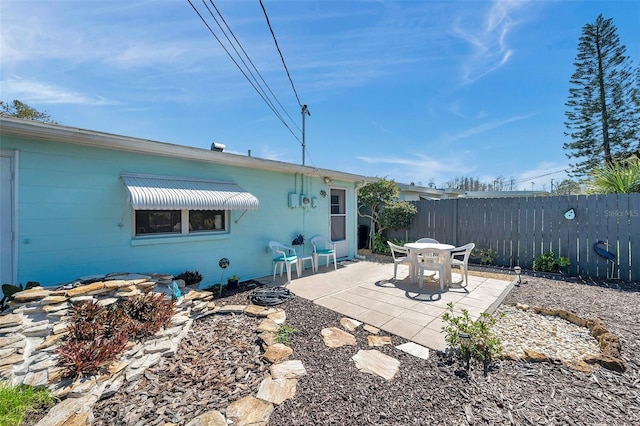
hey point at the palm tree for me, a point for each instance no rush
(615, 178)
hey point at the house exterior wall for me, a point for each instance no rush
(73, 218)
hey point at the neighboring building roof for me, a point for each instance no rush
(54, 132)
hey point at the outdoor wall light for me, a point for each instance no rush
(327, 180)
(518, 270)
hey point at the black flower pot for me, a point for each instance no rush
(232, 284)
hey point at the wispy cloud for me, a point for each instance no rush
(484, 128)
(488, 41)
(31, 91)
(418, 161)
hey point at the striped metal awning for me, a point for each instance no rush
(149, 192)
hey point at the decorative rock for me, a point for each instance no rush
(371, 329)
(375, 362)
(609, 363)
(38, 330)
(60, 328)
(84, 289)
(115, 284)
(268, 337)
(288, 370)
(36, 378)
(378, 340)
(57, 307)
(50, 340)
(534, 356)
(277, 390)
(268, 325)
(210, 418)
(349, 324)
(522, 306)
(232, 309)
(277, 352)
(52, 300)
(249, 411)
(279, 317)
(414, 349)
(35, 293)
(11, 359)
(81, 299)
(334, 337)
(107, 301)
(62, 412)
(13, 341)
(10, 320)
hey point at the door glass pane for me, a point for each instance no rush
(338, 228)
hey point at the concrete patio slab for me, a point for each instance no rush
(365, 291)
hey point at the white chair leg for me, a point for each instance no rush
(275, 267)
(298, 269)
(288, 272)
(335, 263)
(395, 271)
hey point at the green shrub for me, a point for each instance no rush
(284, 331)
(484, 345)
(485, 255)
(549, 262)
(189, 277)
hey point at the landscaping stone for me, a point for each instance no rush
(375, 362)
(334, 337)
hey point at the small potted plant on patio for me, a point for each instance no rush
(232, 282)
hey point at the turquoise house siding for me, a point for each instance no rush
(74, 220)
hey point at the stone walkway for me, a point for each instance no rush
(366, 292)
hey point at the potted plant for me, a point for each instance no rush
(232, 282)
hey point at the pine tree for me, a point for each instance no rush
(604, 112)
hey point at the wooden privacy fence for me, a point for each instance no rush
(520, 229)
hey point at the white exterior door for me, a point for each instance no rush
(338, 221)
(7, 209)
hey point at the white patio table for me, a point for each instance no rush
(413, 259)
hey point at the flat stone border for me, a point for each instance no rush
(33, 328)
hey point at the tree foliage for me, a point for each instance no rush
(616, 178)
(567, 187)
(21, 110)
(379, 202)
(604, 109)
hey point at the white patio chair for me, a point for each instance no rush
(322, 246)
(427, 240)
(433, 259)
(460, 259)
(400, 256)
(284, 256)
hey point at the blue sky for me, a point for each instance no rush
(416, 91)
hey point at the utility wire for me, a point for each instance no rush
(270, 105)
(536, 177)
(251, 62)
(281, 57)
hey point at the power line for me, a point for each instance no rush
(249, 59)
(263, 96)
(281, 57)
(539, 176)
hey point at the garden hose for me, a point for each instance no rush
(270, 296)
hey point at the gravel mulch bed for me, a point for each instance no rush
(424, 392)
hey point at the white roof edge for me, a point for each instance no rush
(56, 132)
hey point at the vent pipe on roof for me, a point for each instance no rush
(217, 146)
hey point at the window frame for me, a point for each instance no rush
(185, 215)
